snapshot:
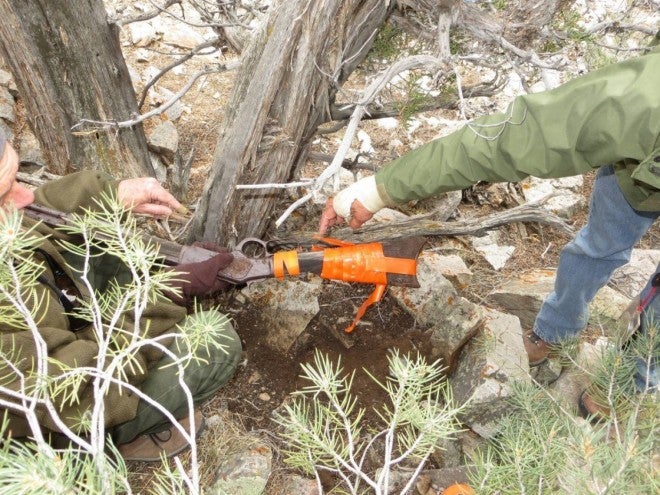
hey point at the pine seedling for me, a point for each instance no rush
(324, 431)
(30, 389)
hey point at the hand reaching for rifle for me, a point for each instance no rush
(146, 195)
(201, 278)
(356, 204)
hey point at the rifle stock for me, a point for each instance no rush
(391, 262)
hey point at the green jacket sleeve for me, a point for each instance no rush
(603, 117)
(76, 191)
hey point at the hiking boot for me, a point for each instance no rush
(591, 409)
(151, 446)
(537, 349)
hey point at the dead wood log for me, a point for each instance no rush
(68, 65)
(288, 79)
(426, 225)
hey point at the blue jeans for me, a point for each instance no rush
(588, 261)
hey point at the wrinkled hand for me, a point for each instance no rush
(358, 215)
(200, 279)
(146, 195)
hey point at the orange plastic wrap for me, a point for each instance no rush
(364, 263)
(286, 263)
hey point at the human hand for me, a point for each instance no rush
(358, 215)
(355, 204)
(201, 278)
(146, 195)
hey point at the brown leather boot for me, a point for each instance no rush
(150, 447)
(537, 348)
(591, 409)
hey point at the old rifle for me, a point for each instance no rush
(390, 262)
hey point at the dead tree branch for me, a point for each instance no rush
(86, 126)
(147, 15)
(425, 225)
(195, 51)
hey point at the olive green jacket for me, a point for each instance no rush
(609, 116)
(69, 347)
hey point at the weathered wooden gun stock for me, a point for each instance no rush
(392, 262)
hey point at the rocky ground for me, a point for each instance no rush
(494, 284)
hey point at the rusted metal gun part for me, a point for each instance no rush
(392, 262)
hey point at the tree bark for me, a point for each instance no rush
(288, 79)
(68, 65)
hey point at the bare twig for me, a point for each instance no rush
(146, 16)
(106, 125)
(207, 44)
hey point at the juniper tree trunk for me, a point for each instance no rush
(289, 76)
(68, 65)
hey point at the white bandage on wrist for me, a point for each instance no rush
(365, 191)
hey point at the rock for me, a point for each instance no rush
(523, 296)
(567, 200)
(454, 269)
(30, 149)
(488, 366)
(244, 473)
(287, 307)
(567, 389)
(495, 254)
(176, 109)
(159, 167)
(631, 278)
(365, 143)
(181, 35)
(141, 33)
(453, 319)
(7, 81)
(606, 309)
(296, 485)
(7, 105)
(164, 139)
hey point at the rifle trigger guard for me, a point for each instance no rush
(253, 247)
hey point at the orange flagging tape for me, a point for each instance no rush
(364, 263)
(285, 263)
(375, 296)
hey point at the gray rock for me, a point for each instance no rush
(287, 306)
(30, 149)
(488, 366)
(296, 485)
(495, 254)
(454, 320)
(567, 389)
(244, 473)
(164, 139)
(7, 81)
(7, 105)
(631, 278)
(523, 297)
